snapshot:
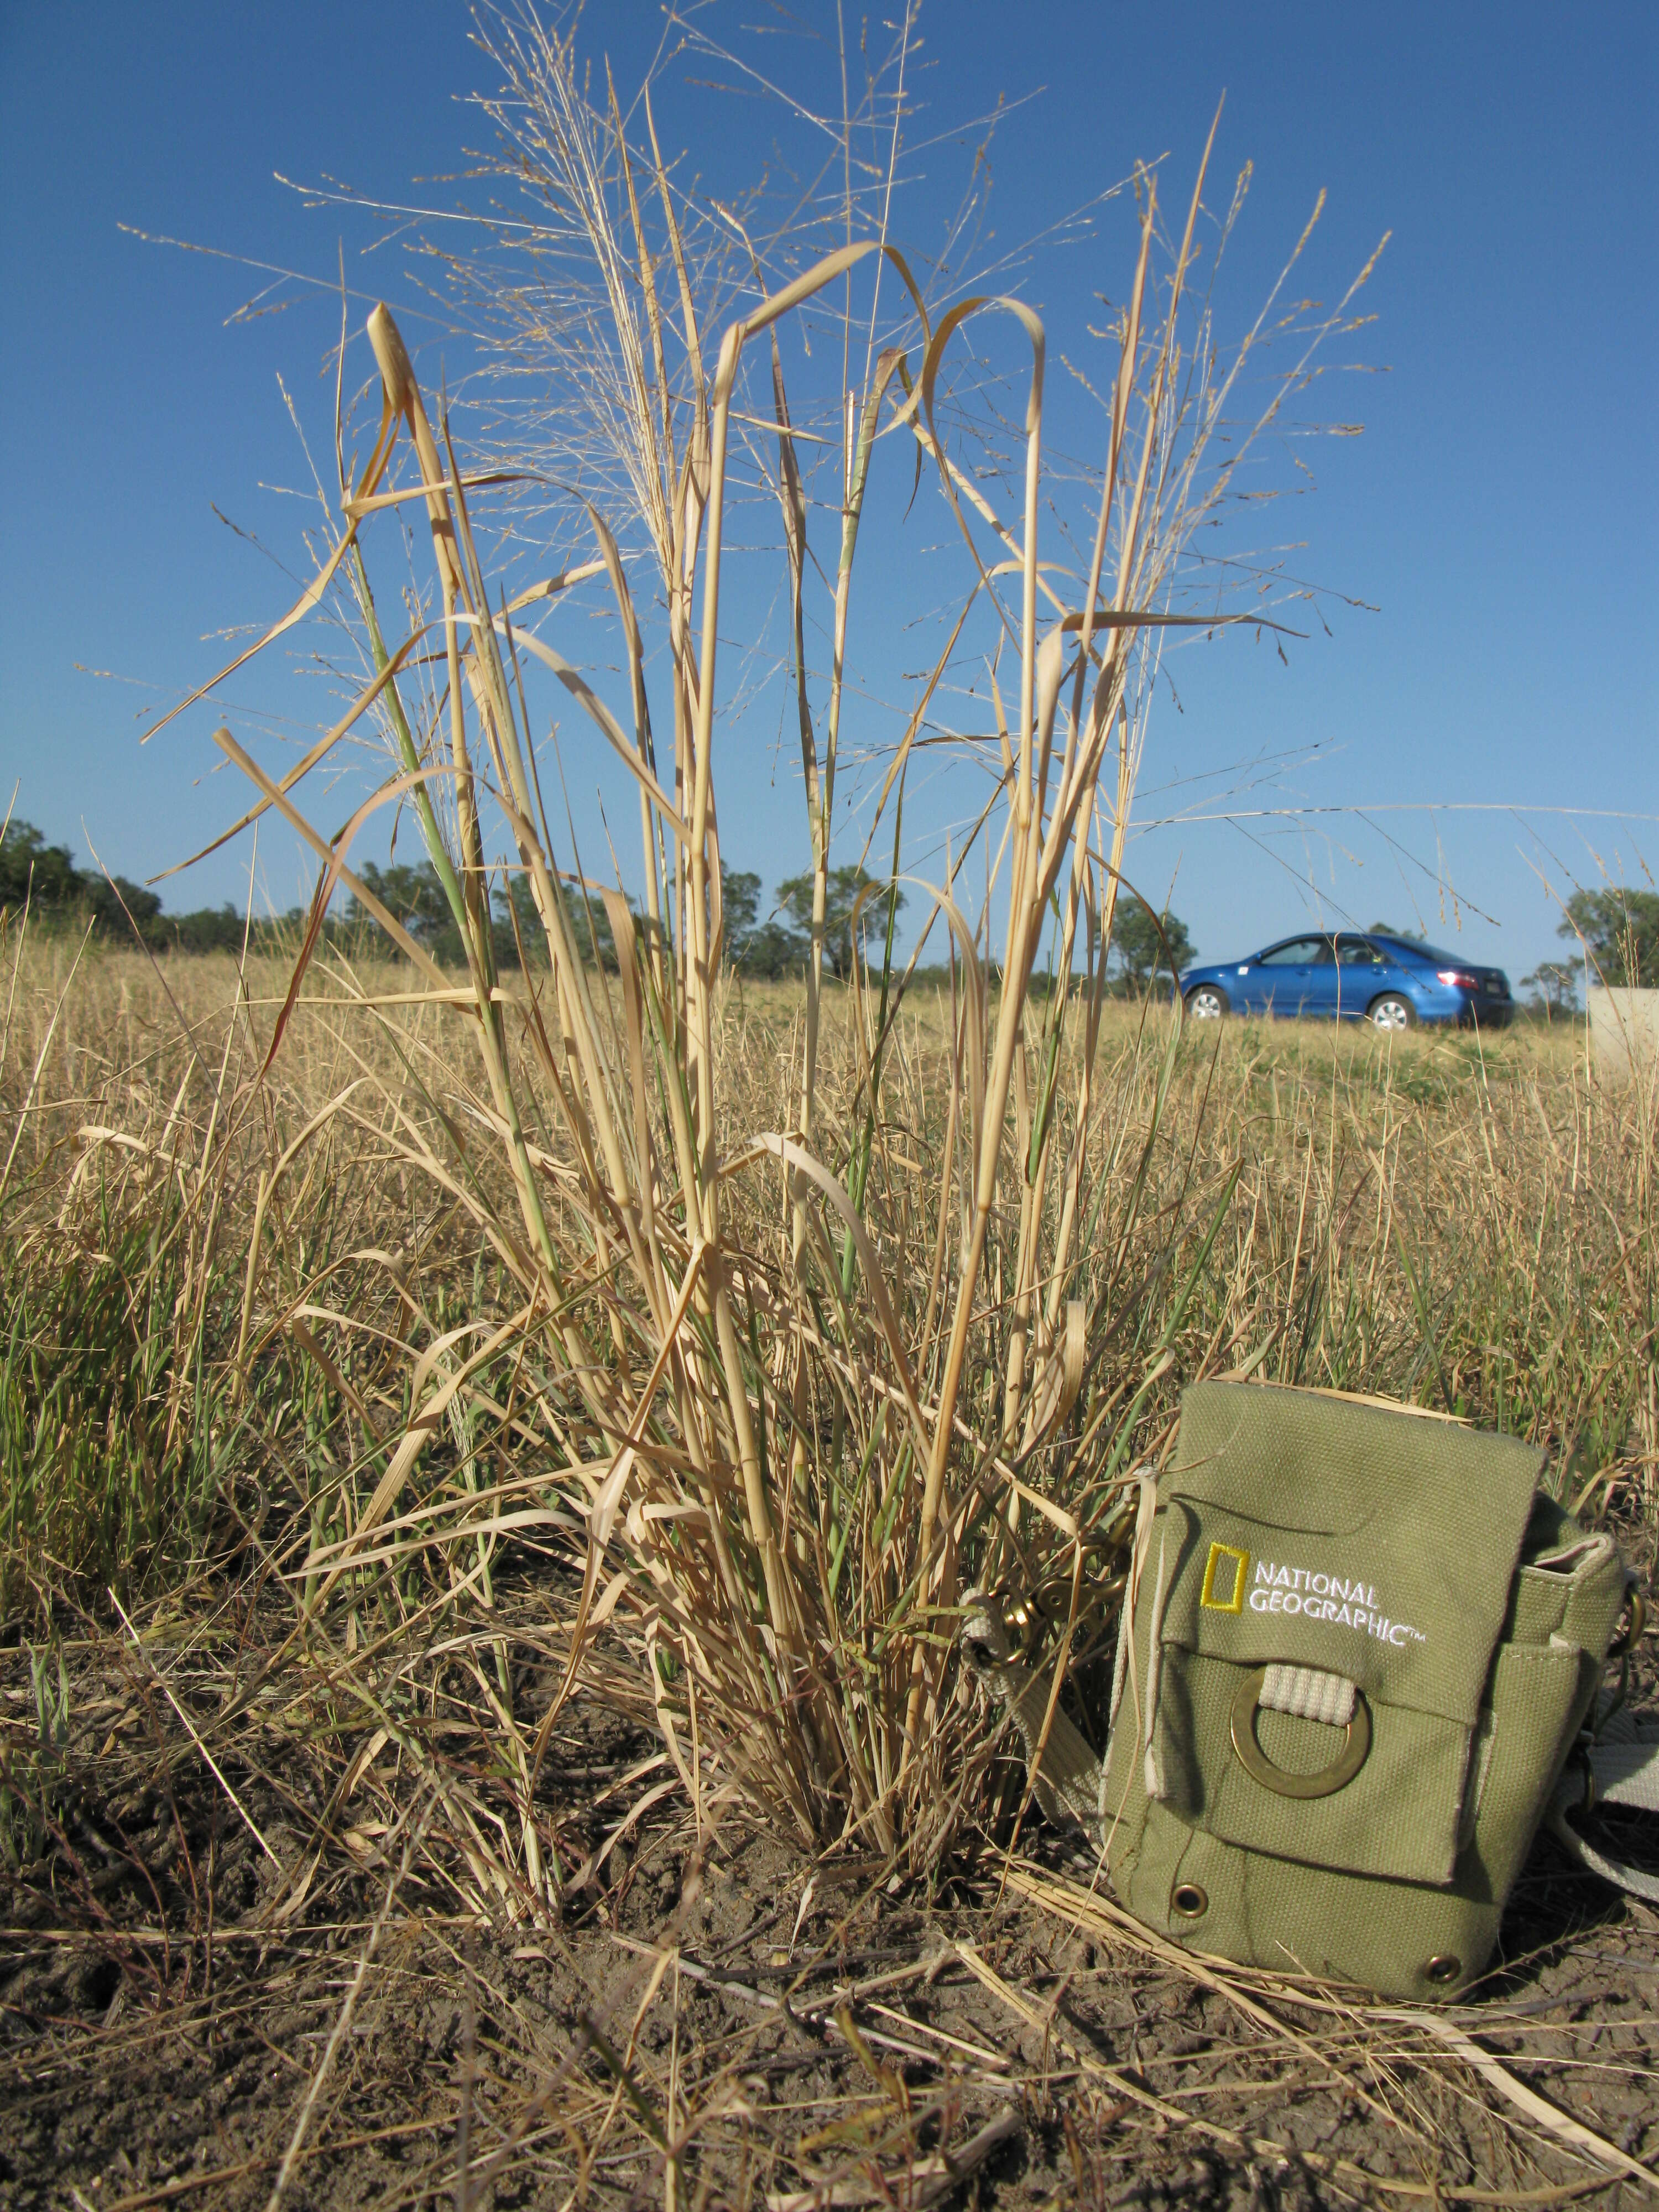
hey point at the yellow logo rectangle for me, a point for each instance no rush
(1241, 1568)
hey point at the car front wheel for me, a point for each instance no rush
(1207, 1004)
(1391, 1011)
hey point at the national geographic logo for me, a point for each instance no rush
(1225, 1572)
(1304, 1592)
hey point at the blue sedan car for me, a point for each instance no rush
(1390, 981)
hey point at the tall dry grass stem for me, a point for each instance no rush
(790, 1399)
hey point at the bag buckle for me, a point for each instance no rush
(1260, 1768)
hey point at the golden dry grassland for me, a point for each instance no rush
(230, 1291)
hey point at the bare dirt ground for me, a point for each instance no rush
(774, 2033)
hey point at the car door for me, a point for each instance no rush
(1319, 1000)
(1363, 970)
(1281, 980)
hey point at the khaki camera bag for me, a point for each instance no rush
(1358, 1650)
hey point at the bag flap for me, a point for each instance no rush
(1332, 1544)
(1378, 1545)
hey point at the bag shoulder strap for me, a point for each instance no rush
(1620, 1767)
(1069, 1780)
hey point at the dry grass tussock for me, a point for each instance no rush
(780, 1441)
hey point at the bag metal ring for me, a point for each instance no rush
(1636, 1608)
(1579, 1756)
(1260, 1768)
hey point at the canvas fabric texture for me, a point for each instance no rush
(1323, 1578)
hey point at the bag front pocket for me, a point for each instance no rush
(1379, 1794)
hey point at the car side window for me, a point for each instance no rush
(1300, 952)
(1358, 952)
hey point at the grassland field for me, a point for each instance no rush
(300, 1899)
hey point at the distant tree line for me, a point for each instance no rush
(45, 878)
(771, 947)
(764, 950)
(781, 944)
(59, 895)
(1616, 930)
(1143, 949)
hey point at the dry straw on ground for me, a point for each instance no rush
(288, 1297)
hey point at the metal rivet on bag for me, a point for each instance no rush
(1189, 1901)
(1445, 1968)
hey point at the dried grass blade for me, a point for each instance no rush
(602, 1513)
(1564, 2129)
(319, 753)
(785, 1149)
(310, 598)
(341, 2026)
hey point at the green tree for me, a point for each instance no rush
(761, 950)
(772, 951)
(590, 925)
(208, 929)
(1554, 988)
(412, 894)
(47, 878)
(120, 907)
(740, 904)
(1619, 931)
(841, 897)
(30, 869)
(1146, 947)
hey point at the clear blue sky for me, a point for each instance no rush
(1497, 512)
